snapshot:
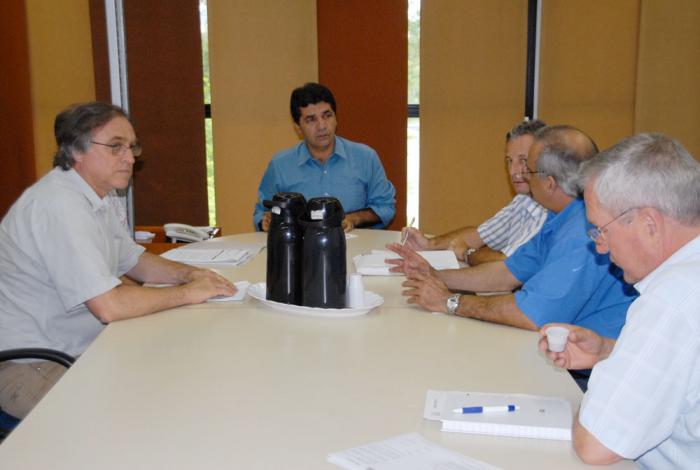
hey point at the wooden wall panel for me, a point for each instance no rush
(61, 67)
(16, 123)
(100, 51)
(363, 59)
(588, 66)
(258, 53)
(472, 78)
(166, 100)
(668, 82)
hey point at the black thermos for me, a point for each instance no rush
(284, 239)
(324, 269)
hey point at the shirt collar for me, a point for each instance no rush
(96, 202)
(532, 207)
(556, 220)
(684, 252)
(303, 154)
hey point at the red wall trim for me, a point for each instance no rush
(166, 102)
(363, 59)
(16, 118)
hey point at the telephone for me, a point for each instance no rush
(186, 233)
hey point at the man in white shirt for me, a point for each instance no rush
(63, 253)
(512, 226)
(643, 398)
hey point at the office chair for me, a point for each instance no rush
(7, 421)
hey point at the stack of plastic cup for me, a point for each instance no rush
(356, 291)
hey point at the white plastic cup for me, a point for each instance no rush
(356, 291)
(556, 338)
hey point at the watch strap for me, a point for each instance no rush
(452, 304)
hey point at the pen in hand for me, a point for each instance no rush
(404, 235)
(486, 409)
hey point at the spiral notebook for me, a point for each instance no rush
(537, 417)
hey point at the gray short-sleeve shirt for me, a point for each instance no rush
(60, 245)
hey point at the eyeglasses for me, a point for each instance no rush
(527, 172)
(120, 149)
(598, 233)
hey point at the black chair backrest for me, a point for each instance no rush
(37, 353)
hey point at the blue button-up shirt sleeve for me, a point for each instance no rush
(565, 280)
(558, 291)
(381, 195)
(267, 189)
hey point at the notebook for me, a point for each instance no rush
(373, 264)
(233, 256)
(538, 417)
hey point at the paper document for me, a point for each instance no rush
(232, 256)
(537, 417)
(405, 452)
(242, 287)
(373, 264)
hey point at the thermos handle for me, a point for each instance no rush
(270, 204)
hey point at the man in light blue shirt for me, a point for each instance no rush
(324, 164)
(558, 272)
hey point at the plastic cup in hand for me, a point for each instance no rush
(556, 338)
(356, 291)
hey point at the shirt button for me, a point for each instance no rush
(325, 172)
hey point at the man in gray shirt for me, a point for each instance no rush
(64, 254)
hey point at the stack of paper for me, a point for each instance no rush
(537, 417)
(232, 256)
(405, 452)
(242, 287)
(374, 264)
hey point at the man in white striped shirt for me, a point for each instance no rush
(512, 226)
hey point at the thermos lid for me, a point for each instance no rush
(294, 203)
(326, 211)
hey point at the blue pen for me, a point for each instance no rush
(486, 409)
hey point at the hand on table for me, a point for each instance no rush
(204, 284)
(410, 264)
(427, 291)
(347, 224)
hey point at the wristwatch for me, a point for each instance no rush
(468, 252)
(452, 303)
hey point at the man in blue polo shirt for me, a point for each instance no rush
(559, 275)
(324, 164)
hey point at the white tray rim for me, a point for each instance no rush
(258, 291)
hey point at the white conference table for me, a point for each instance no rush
(240, 386)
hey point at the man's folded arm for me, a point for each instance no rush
(362, 218)
(128, 300)
(155, 269)
(488, 277)
(590, 449)
(500, 309)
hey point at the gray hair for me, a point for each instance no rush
(647, 170)
(73, 128)
(564, 149)
(526, 127)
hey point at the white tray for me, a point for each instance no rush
(259, 293)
